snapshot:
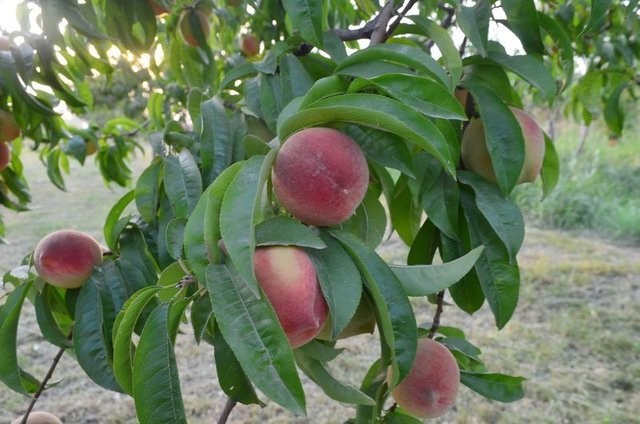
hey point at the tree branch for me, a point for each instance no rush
(228, 407)
(436, 317)
(379, 34)
(43, 385)
(401, 15)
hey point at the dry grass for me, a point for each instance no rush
(574, 336)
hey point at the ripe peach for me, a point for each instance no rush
(9, 129)
(250, 45)
(476, 156)
(320, 176)
(39, 417)
(432, 384)
(5, 43)
(289, 280)
(5, 155)
(66, 258)
(188, 18)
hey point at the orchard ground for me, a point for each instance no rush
(574, 335)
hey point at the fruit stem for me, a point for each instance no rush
(43, 385)
(436, 317)
(228, 407)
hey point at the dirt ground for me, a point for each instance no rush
(575, 337)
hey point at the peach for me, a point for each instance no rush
(66, 258)
(250, 45)
(9, 129)
(431, 387)
(188, 18)
(320, 176)
(91, 147)
(288, 278)
(476, 156)
(39, 417)
(5, 155)
(5, 43)
(158, 9)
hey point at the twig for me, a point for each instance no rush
(436, 317)
(228, 407)
(46, 379)
(401, 15)
(379, 34)
(363, 32)
(463, 46)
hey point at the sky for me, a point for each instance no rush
(8, 15)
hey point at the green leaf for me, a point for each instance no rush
(441, 38)
(499, 275)
(182, 183)
(423, 280)
(503, 134)
(502, 214)
(369, 222)
(307, 17)
(175, 236)
(550, 172)
(136, 261)
(405, 214)
(423, 94)
(500, 387)
(397, 323)
(340, 282)
(238, 214)
(377, 112)
(318, 373)
(123, 348)
(530, 69)
(202, 232)
(597, 15)
(424, 245)
(324, 87)
(285, 231)
(439, 197)
(613, 113)
(11, 374)
(382, 147)
(474, 22)
(51, 329)
(522, 19)
(466, 293)
(148, 189)
(91, 333)
(405, 55)
(397, 417)
(216, 140)
(202, 319)
(156, 385)
(558, 33)
(251, 328)
(233, 381)
(112, 225)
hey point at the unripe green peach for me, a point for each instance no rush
(288, 278)
(431, 387)
(39, 417)
(66, 258)
(9, 129)
(5, 155)
(190, 17)
(320, 176)
(475, 154)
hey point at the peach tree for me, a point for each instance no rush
(289, 139)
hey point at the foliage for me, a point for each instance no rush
(215, 120)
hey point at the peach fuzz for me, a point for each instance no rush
(9, 129)
(5, 155)
(431, 387)
(66, 258)
(288, 278)
(39, 417)
(320, 176)
(475, 154)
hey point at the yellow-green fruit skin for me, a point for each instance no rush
(431, 387)
(289, 280)
(475, 154)
(39, 417)
(66, 258)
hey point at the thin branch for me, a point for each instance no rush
(436, 317)
(463, 46)
(379, 34)
(43, 385)
(400, 16)
(228, 407)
